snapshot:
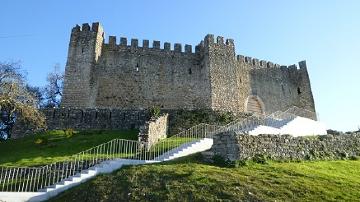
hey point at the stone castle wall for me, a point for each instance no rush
(127, 75)
(141, 77)
(233, 146)
(281, 87)
(234, 79)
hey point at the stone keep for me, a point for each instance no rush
(125, 75)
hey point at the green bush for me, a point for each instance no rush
(238, 163)
(260, 158)
(155, 111)
(220, 161)
(41, 141)
(69, 132)
(343, 155)
(226, 117)
(354, 158)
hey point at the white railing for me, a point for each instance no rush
(29, 179)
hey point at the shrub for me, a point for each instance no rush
(343, 155)
(220, 161)
(260, 158)
(41, 141)
(308, 157)
(238, 163)
(226, 117)
(155, 111)
(69, 132)
(354, 158)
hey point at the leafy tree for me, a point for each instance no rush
(54, 88)
(16, 101)
(38, 94)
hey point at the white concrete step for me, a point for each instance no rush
(298, 126)
(104, 167)
(198, 146)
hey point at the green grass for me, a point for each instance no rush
(58, 146)
(191, 180)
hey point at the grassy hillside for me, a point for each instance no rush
(54, 146)
(191, 180)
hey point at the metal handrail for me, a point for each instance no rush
(29, 179)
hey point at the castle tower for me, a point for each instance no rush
(85, 47)
(226, 91)
(304, 90)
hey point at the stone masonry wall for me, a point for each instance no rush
(153, 131)
(229, 82)
(278, 87)
(84, 51)
(101, 119)
(233, 146)
(127, 75)
(134, 77)
(87, 119)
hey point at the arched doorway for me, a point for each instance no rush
(254, 105)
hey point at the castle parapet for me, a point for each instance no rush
(156, 45)
(123, 41)
(188, 48)
(199, 47)
(177, 47)
(210, 40)
(254, 63)
(134, 43)
(86, 28)
(145, 43)
(167, 46)
(112, 41)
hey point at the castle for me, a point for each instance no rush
(116, 75)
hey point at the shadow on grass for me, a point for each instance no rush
(53, 146)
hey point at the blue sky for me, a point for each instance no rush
(323, 32)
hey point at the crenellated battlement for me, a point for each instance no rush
(155, 45)
(255, 63)
(210, 40)
(86, 28)
(128, 73)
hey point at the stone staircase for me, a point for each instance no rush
(187, 149)
(104, 167)
(297, 126)
(293, 125)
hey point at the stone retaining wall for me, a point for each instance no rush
(87, 119)
(153, 131)
(233, 146)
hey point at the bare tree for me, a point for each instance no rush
(37, 93)
(16, 102)
(53, 90)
